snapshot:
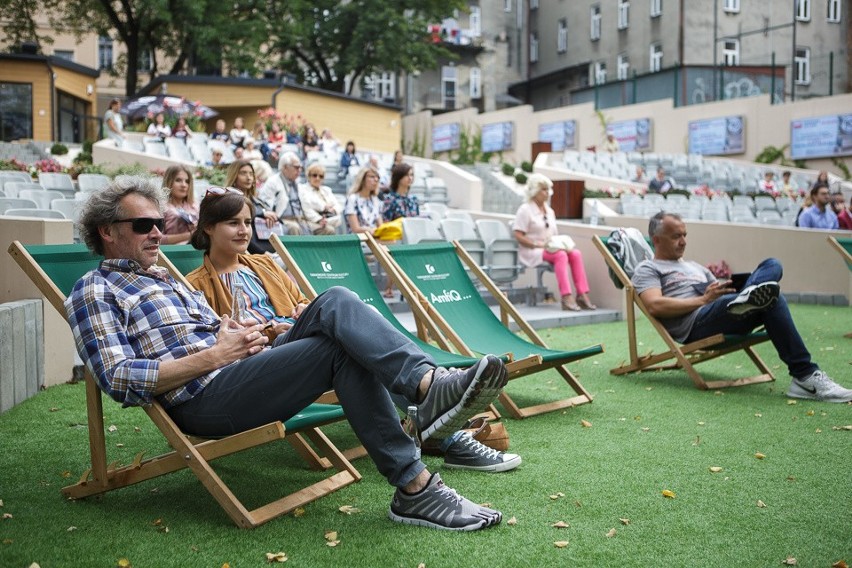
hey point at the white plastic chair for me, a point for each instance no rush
(90, 183)
(7, 203)
(14, 188)
(57, 182)
(420, 229)
(35, 212)
(42, 197)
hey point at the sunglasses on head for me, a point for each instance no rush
(216, 190)
(143, 225)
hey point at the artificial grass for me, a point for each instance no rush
(648, 433)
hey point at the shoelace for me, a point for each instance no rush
(481, 449)
(449, 492)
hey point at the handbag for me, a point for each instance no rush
(389, 231)
(491, 434)
(560, 242)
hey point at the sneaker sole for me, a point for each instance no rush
(759, 299)
(490, 378)
(507, 465)
(484, 523)
(806, 395)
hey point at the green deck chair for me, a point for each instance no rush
(438, 274)
(844, 247)
(318, 263)
(685, 356)
(184, 258)
(54, 269)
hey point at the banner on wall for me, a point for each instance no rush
(561, 135)
(632, 135)
(497, 137)
(445, 137)
(717, 136)
(821, 136)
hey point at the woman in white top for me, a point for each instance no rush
(363, 210)
(239, 132)
(535, 224)
(159, 129)
(113, 123)
(318, 203)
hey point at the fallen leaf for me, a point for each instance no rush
(330, 535)
(791, 478)
(137, 429)
(697, 441)
(560, 525)
(512, 522)
(790, 561)
(71, 528)
(112, 428)
(840, 564)
(809, 413)
(1, 502)
(818, 430)
(332, 543)
(486, 504)
(421, 565)
(715, 469)
(758, 415)
(157, 522)
(226, 565)
(668, 494)
(646, 429)
(560, 543)
(761, 504)
(298, 511)
(34, 565)
(119, 445)
(66, 474)
(53, 409)
(7, 516)
(586, 423)
(610, 391)
(701, 423)
(578, 504)
(719, 393)
(276, 557)
(610, 533)
(8, 541)
(556, 496)
(759, 456)
(792, 402)
(349, 509)
(649, 388)
(124, 563)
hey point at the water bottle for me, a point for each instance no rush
(412, 430)
(238, 303)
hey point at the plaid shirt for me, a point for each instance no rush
(126, 320)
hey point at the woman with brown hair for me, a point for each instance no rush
(241, 175)
(398, 203)
(181, 213)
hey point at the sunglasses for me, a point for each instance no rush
(216, 191)
(320, 176)
(143, 225)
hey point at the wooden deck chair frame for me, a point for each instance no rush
(508, 312)
(426, 327)
(186, 252)
(102, 477)
(685, 356)
(845, 254)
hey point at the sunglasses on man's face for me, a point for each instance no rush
(143, 225)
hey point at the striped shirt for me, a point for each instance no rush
(126, 320)
(260, 309)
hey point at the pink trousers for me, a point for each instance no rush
(560, 261)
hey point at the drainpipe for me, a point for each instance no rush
(52, 101)
(278, 90)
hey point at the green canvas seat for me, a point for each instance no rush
(844, 247)
(440, 278)
(54, 269)
(185, 258)
(679, 356)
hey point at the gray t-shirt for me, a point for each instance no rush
(675, 279)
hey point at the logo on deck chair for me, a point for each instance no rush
(429, 269)
(326, 266)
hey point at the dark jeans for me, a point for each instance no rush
(339, 343)
(714, 318)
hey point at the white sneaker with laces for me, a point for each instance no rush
(819, 386)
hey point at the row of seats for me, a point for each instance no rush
(762, 209)
(13, 182)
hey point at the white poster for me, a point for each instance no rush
(445, 137)
(717, 136)
(821, 136)
(559, 134)
(632, 135)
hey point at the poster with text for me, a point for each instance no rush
(717, 136)
(632, 135)
(445, 137)
(559, 134)
(497, 137)
(821, 136)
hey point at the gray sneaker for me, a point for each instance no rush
(440, 507)
(468, 453)
(457, 394)
(819, 386)
(754, 298)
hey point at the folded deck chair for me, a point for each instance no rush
(685, 356)
(54, 269)
(180, 260)
(844, 247)
(434, 276)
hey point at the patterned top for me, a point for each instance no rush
(260, 308)
(126, 320)
(368, 210)
(397, 205)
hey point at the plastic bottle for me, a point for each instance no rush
(238, 303)
(412, 430)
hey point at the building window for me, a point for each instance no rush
(623, 14)
(803, 10)
(600, 73)
(731, 6)
(834, 11)
(562, 36)
(383, 86)
(595, 25)
(803, 66)
(475, 21)
(533, 4)
(448, 87)
(67, 54)
(16, 110)
(656, 57)
(104, 53)
(533, 47)
(623, 69)
(656, 8)
(731, 52)
(475, 83)
(146, 60)
(507, 5)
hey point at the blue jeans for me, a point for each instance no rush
(339, 343)
(714, 318)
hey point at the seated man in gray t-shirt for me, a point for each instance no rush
(692, 304)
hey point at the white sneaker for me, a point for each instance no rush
(819, 387)
(754, 299)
